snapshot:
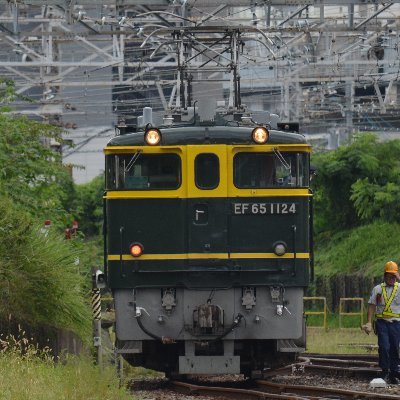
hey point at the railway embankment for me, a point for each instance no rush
(349, 263)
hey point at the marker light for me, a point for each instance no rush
(279, 249)
(152, 137)
(260, 134)
(136, 249)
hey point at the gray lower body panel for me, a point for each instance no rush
(260, 321)
(209, 365)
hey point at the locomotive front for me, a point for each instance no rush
(208, 247)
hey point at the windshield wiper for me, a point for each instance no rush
(133, 160)
(281, 158)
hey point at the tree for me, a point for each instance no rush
(357, 183)
(41, 281)
(31, 172)
(88, 205)
(8, 94)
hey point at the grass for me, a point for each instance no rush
(77, 379)
(340, 341)
(339, 337)
(40, 281)
(27, 372)
(333, 322)
(363, 250)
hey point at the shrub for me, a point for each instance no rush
(40, 282)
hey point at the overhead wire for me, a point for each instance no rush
(93, 92)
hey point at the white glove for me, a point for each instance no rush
(367, 328)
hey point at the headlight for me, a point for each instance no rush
(136, 249)
(260, 135)
(152, 137)
(280, 248)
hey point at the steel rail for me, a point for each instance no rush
(336, 367)
(360, 357)
(339, 361)
(230, 392)
(277, 391)
(318, 391)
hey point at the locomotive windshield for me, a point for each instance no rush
(143, 171)
(266, 170)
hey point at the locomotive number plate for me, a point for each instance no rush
(263, 208)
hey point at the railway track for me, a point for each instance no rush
(348, 366)
(269, 390)
(357, 357)
(355, 367)
(314, 377)
(317, 392)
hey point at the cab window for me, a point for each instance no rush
(140, 171)
(206, 171)
(266, 170)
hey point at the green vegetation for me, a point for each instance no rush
(340, 341)
(42, 284)
(45, 279)
(357, 184)
(40, 281)
(88, 205)
(332, 321)
(359, 251)
(31, 173)
(357, 207)
(357, 220)
(8, 94)
(30, 373)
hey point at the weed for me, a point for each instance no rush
(29, 372)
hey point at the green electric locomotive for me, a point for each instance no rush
(208, 246)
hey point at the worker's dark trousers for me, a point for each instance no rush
(389, 343)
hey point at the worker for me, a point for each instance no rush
(384, 303)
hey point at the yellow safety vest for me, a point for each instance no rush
(387, 311)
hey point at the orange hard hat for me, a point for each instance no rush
(391, 267)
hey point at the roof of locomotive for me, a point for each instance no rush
(207, 135)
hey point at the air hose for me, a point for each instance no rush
(162, 339)
(235, 323)
(168, 340)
